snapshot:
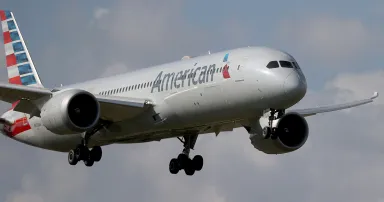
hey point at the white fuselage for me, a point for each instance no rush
(205, 100)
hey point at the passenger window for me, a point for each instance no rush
(272, 64)
(286, 64)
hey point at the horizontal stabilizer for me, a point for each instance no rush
(12, 92)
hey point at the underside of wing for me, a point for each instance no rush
(114, 108)
(31, 99)
(317, 110)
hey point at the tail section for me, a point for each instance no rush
(19, 64)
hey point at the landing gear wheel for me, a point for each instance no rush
(274, 134)
(174, 166)
(72, 157)
(197, 162)
(89, 161)
(96, 153)
(182, 160)
(189, 169)
(267, 132)
(82, 152)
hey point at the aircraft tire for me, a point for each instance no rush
(89, 161)
(174, 166)
(72, 157)
(189, 168)
(183, 160)
(197, 162)
(96, 153)
(267, 132)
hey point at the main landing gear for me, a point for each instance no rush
(183, 161)
(83, 153)
(269, 131)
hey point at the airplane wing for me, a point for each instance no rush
(115, 108)
(112, 108)
(317, 110)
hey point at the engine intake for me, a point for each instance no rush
(292, 130)
(70, 111)
(291, 133)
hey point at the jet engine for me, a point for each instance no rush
(288, 133)
(70, 111)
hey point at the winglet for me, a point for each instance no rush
(375, 95)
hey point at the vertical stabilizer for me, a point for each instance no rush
(19, 63)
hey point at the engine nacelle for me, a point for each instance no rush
(291, 133)
(70, 111)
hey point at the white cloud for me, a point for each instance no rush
(100, 12)
(358, 85)
(115, 69)
(328, 37)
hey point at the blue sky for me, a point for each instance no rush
(338, 45)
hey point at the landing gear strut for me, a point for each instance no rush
(183, 161)
(269, 131)
(83, 153)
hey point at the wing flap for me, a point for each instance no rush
(323, 109)
(114, 108)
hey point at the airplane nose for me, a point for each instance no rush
(295, 86)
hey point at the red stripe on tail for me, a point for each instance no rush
(7, 37)
(15, 80)
(2, 16)
(11, 60)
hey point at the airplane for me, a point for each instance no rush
(251, 87)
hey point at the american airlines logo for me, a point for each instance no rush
(179, 79)
(188, 77)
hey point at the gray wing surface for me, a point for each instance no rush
(330, 108)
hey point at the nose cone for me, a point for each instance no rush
(295, 86)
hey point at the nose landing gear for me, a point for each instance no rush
(270, 131)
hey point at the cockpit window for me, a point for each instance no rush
(296, 65)
(286, 64)
(273, 64)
